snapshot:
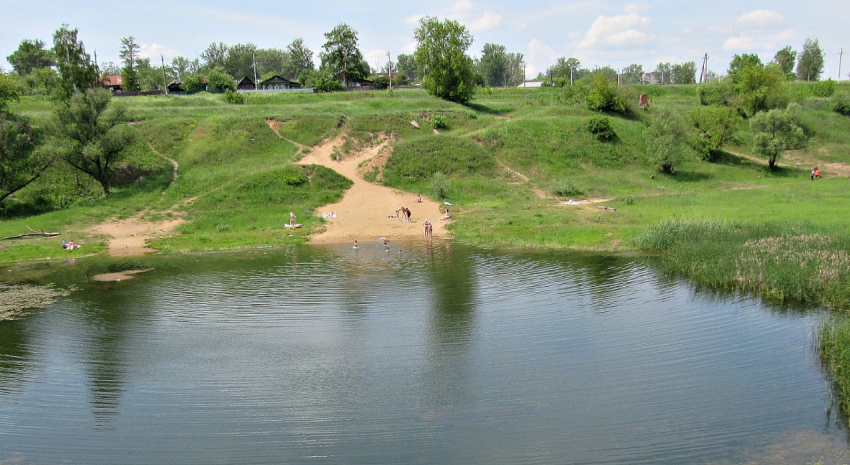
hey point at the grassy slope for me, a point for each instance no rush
(232, 166)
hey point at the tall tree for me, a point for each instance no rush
(664, 71)
(76, 70)
(240, 60)
(182, 67)
(739, 63)
(92, 134)
(300, 59)
(714, 126)
(632, 74)
(130, 55)
(565, 68)
(407, 65)
(341, 55)
(445, 69)
(516, 69)
(776, 131)
(665, 140)
(215, 55)
(785, 58)
(10, 91)
(271, 61)
(493, 65)
(810, 61)
(19, 163)
(30, 55)
(761, 87)
(684, 73)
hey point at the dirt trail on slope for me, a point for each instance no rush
(129, 236)
(363, 213)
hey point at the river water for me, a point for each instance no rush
(327, 355)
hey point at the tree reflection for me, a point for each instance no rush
(15, 356)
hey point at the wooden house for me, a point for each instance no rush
(113, 82)
(277, 82)
(175, 87)
(246, 83)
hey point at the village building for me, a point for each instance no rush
(278, 83)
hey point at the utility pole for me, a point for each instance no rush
(704, 70)
(254, 58)
(524, 76)
(390, 69)
(164, 78)
(571, 76)
(840, 56)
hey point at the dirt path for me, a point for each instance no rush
(174, 165)
(835, 169)
(129, 236)
(363, 212)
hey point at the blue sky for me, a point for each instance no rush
(598, 33)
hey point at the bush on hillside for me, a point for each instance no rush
(565, 188)
(841, 103)
(438, 121)
(420, 158)
(234, 98)
(716, 93)
(601, 128)
(605, 95)
(823, 88)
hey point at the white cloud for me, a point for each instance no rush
(759, 42)
(635, 8)
(473, 16)
(539, 56)
(760, 19)
(619, 31)
(376, 57)
(154, 51)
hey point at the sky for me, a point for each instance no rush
(598, 33)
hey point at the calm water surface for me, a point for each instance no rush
(443, 355)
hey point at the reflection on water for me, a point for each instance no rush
(434, 355)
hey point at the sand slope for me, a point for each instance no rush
(363, 212)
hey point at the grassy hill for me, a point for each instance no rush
(511, 157)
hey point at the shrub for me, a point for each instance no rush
(823, 88)
(440, 184)
(381, 82)
(841, 103)
(565, 188)
(600, 127)
(234, 98)
(716, 93)
(605, 95)
(438, 121)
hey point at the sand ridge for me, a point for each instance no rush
(363, 213)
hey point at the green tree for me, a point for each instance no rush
(445, 69)
(785, 58)
(92, 135)
(182, 67)
(632, 74)
(604, 95)
(714, 126)
(407, 65)
(341, 55)
(565, 68)
(19, 163)
(29, 56)
(10, 91)
(130, 72)
(810, 61)
(220, 80)
(215, 55)
(739, 63)
(193, 82)
(665, 141)
(300, 59)
(271, 61)
(664, 71)
(761, 87)
(240, 60)
(684, 73)
(76, 70)
(775, 131)
(516, 69)
(493, 65)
